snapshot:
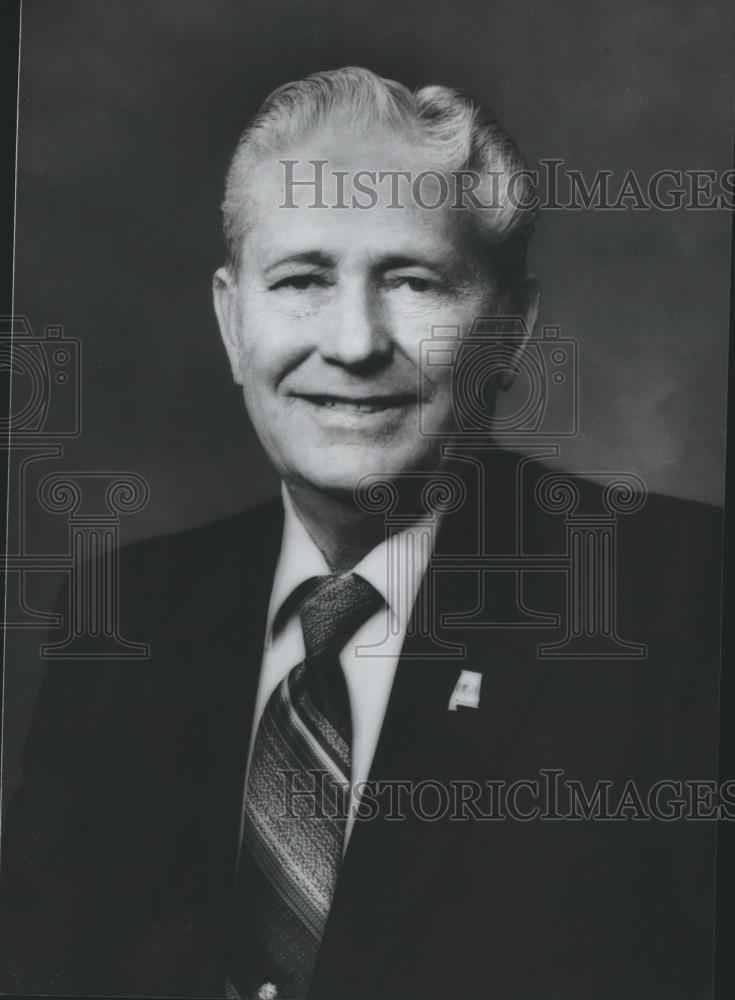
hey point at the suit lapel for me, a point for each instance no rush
(390, 865)
(214, 639)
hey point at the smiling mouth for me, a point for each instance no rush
(367, 404)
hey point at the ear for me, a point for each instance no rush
(224, 294)
(526, 304)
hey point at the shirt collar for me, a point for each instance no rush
(395, 567)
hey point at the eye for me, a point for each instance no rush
(417, 284)
(413, 282)
(299, 282)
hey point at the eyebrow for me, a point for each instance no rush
(314, 257)
(317, 258)
(395, 261)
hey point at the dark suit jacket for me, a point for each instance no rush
(119, 848)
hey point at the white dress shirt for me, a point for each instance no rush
(395, 569)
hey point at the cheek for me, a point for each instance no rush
(416, 324)
(264, 351)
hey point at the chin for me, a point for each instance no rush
(342, 472)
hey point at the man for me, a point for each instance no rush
(182, 827)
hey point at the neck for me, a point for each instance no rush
(341, 530)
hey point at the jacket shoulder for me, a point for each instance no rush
(156, 571)
(203, 540)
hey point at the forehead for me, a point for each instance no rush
(345, 189)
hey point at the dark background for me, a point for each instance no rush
(129, 111)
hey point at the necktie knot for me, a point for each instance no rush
(334, 611)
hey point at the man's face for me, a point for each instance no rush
(324, 323)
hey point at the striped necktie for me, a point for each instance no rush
(292, 844)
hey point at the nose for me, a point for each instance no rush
(356, 335)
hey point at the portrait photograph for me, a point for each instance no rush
(364, 623)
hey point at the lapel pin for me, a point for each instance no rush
(466, 692)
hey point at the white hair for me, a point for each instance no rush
(463, 136)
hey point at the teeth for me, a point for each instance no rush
(355, 407)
